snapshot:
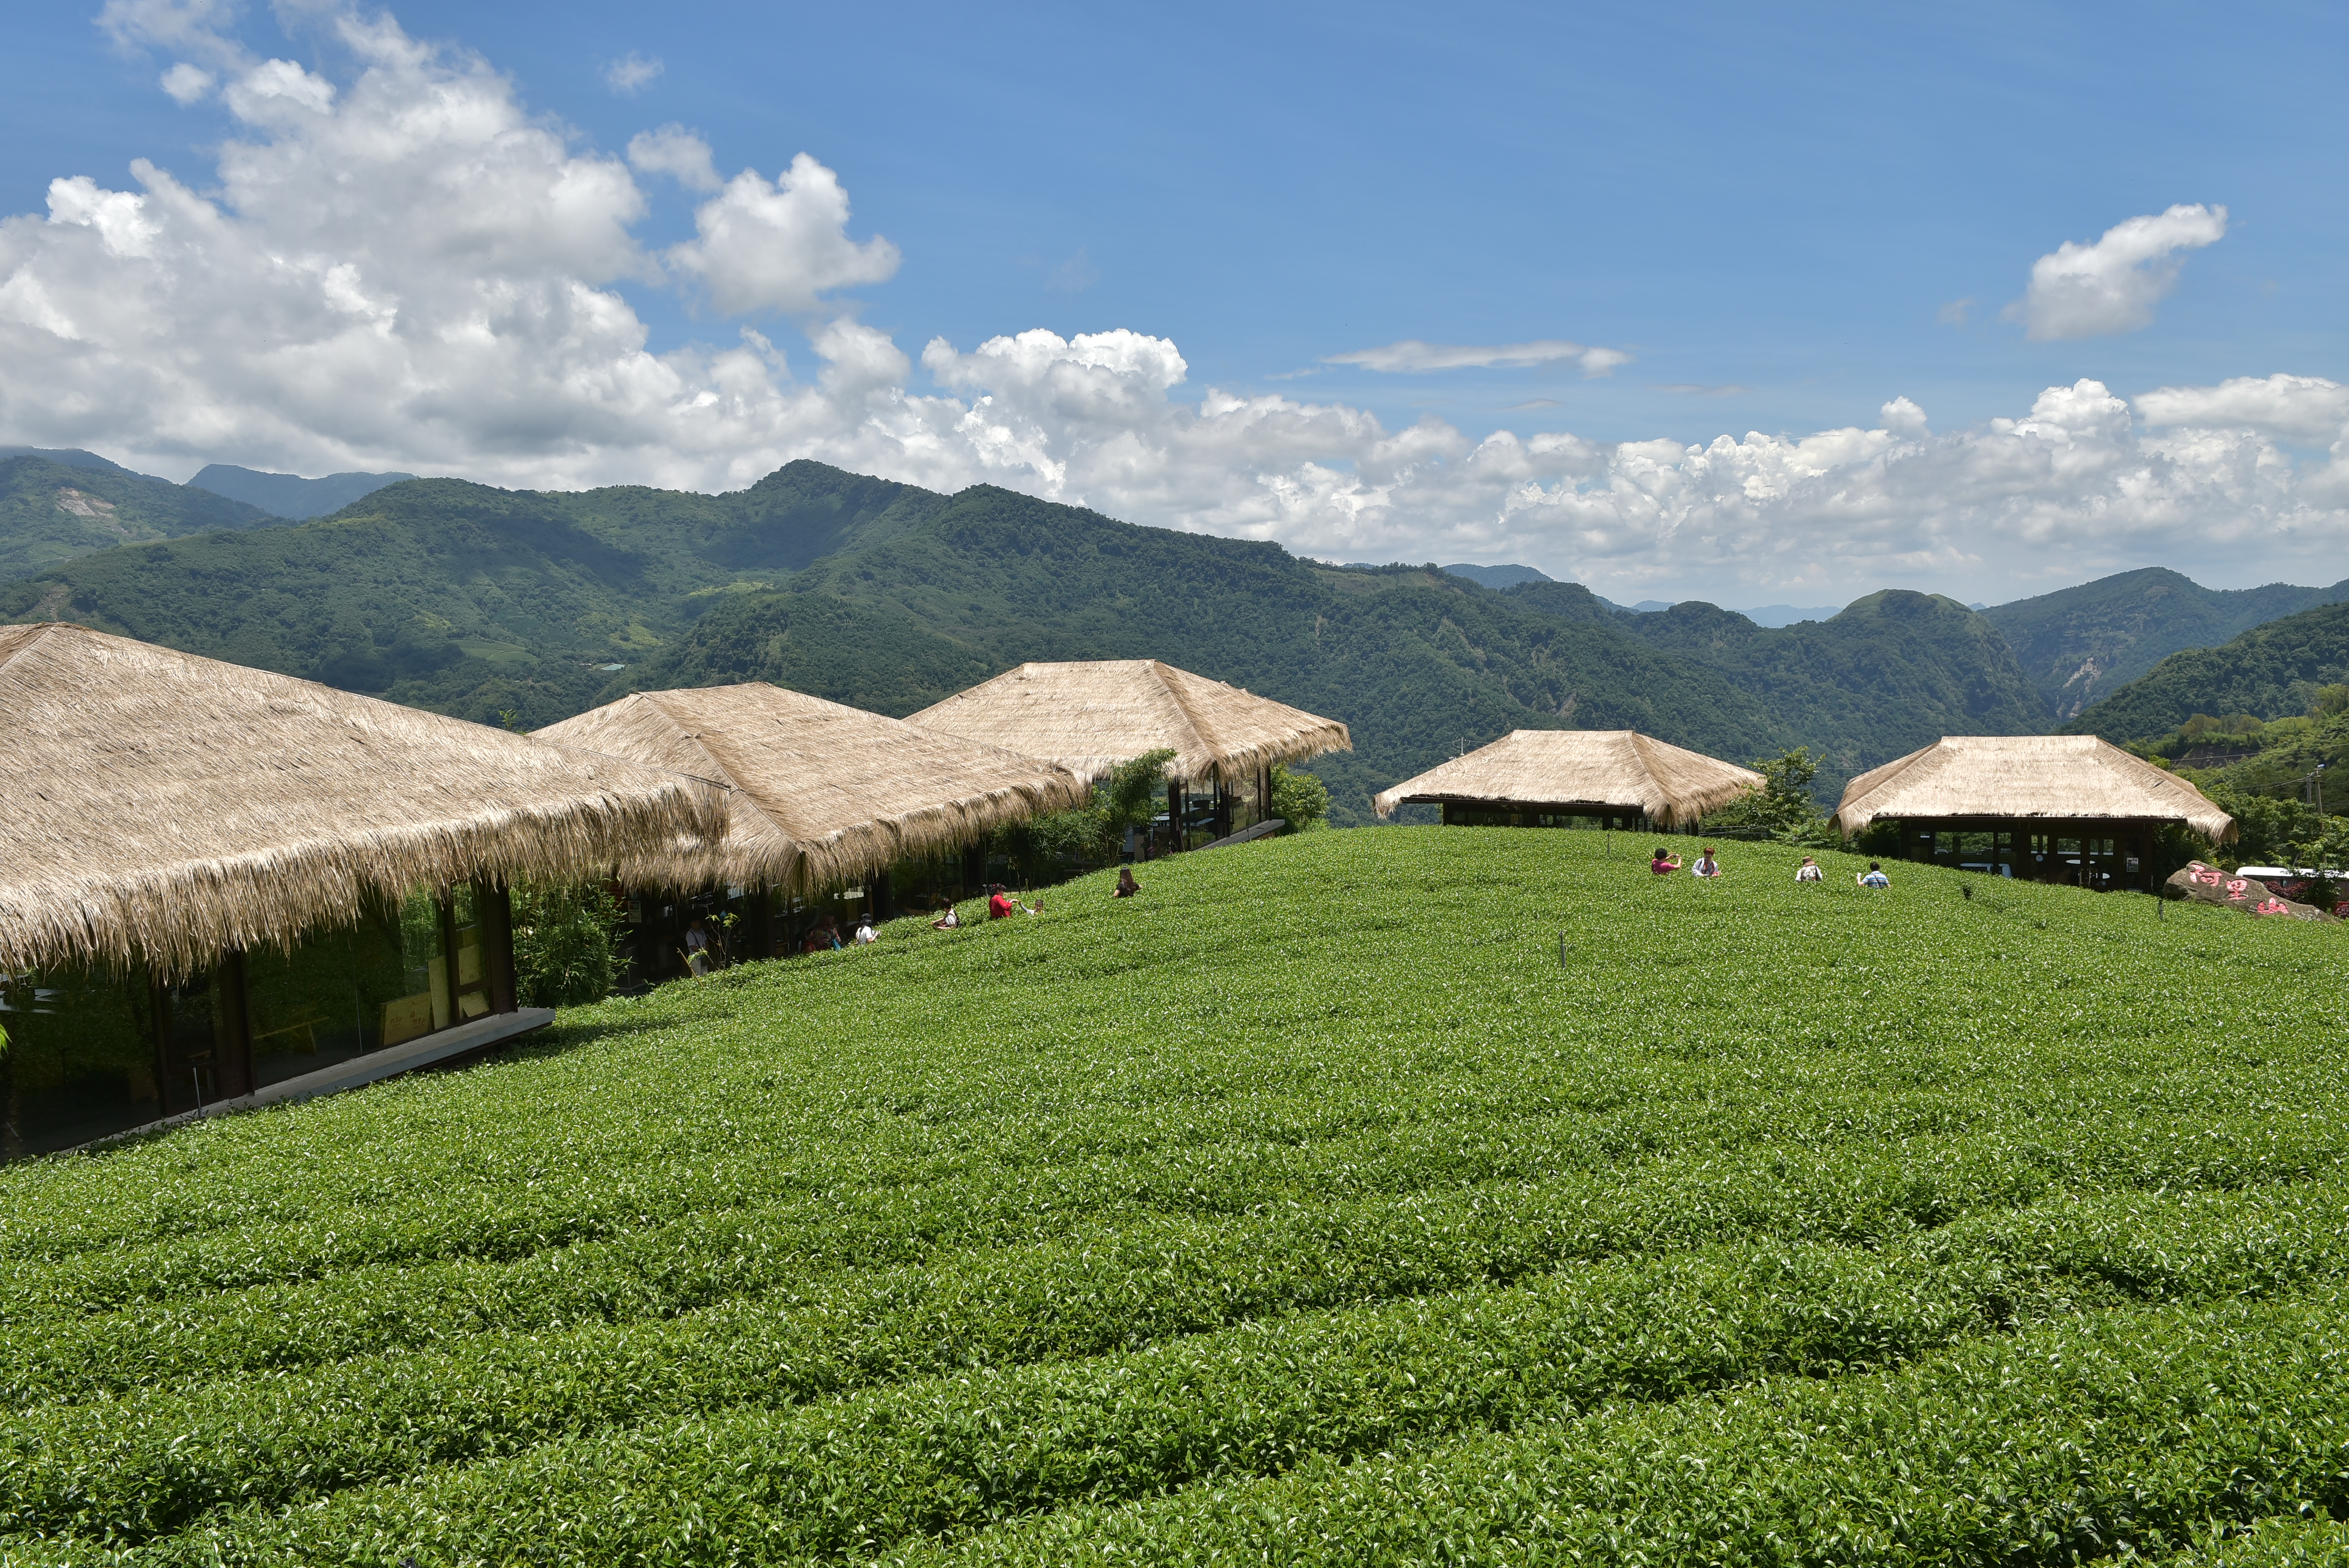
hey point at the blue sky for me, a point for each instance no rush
(1784, 217)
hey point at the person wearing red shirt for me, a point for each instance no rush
(1001, 905)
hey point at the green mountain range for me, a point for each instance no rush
(53, 510)
(511, 605)
(2269, 672)
(2081, 644)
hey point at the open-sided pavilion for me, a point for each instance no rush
(824, 800)
(1565, 778)
(1091, 715)
(2045, 807)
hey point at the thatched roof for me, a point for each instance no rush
(1090, 716)
(162, 806)
(1593, 771)
(822, 794)
(2070, 778)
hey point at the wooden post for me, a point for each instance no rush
(231, 1027)
(495, 904)
(1176, 789)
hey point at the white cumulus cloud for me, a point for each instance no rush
(2112, 286)
(1410, 354)
(2307, 409)
(677, 152)
(780, 247)
(632, 72)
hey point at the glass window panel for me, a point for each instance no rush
(80, 1061)
(306, 1011)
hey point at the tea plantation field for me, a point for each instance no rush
(1306, 1209)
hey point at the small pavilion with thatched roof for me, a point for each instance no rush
(218, 883)
(1093, 714)
(2046, 808)
(822, 795)
(1559, 778)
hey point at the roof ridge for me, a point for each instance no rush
(40, 634)
(1161, 669)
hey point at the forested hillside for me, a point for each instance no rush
(2272, 671)
(497, 604)
(2082, 645)
(1418, 663)
(52, 512)
(457, 596)
(1893, 669)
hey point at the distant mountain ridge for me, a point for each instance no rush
(52, 511)
(494, 603)
(2081, 644)
(488, 603)
(1498, 576)
(2269, 672)
(290, 495)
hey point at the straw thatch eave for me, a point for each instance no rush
(822, 794)
(161, 807)
(2054, 777)
(1596, 771)
(1090, 715)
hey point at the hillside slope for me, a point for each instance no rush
(2272, 671)
(2082, 645)
(458, 596)
(1887, 673)
(1305, 1209)
(51, 512)
(1418, 663)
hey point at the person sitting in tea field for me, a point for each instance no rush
(1126, 886)
(950, 920)
(1665, 863)
(1706, 866)
(824, 936)
(1808, 872)
(1000, 905)
(1873, 876)
(865, 935)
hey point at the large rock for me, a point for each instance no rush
(2209, 885)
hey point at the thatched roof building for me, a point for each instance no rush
(1580, 772)
(2069, 780)
(1090, 716)
(822, 794)
(158, 805)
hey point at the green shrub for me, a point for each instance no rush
(566, 944)
(1299, 800)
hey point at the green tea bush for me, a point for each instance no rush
(1430, 1194)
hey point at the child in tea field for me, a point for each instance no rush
(1126, 886)
(1873, 876)
(1808, 872)
(1665, 863)
(1706, 866)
